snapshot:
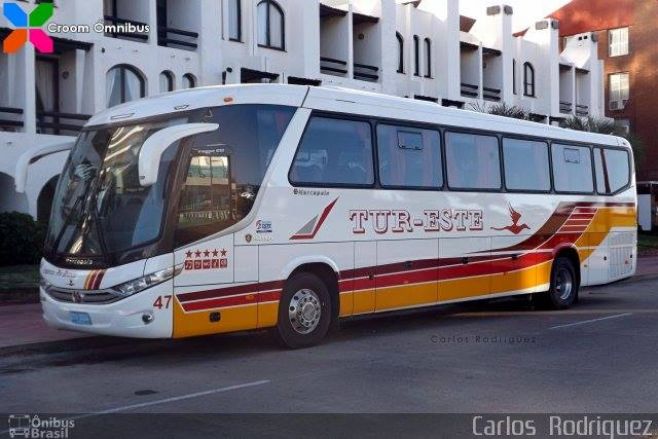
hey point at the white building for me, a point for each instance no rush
(419, 49)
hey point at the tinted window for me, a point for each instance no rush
(409, 157)
(572, 168)
(612, 170)
(526, 165)
(226, 168)
(334, 151)
(473, 161)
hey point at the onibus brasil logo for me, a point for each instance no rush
(28, 28)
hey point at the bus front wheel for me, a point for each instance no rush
(564, 285)
(304, 311)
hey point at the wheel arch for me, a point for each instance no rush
(328, 272)
(571, 253)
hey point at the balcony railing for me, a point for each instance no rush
(182, 38)
(582, 110)
(6, 122)
(333, 66)
(116, 21)
(470, 90)
(55, 122)
(365, 72)
(491, 94)
(566, 107)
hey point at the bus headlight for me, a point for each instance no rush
(150, 280)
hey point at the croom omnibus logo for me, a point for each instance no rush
(28, 28)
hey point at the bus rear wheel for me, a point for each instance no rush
(564, 285)
(304, 312)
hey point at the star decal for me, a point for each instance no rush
(206, 253)
(223, 252)
(197, 254)
(188, 254)
(215, 253)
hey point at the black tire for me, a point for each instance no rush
(298, 324)
(564, 285)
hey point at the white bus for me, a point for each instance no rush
(270, 206)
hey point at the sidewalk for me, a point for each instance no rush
(22, 324)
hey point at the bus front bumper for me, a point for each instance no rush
(134, 316)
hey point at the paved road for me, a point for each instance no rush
(497, 357)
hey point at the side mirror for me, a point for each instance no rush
(155, 146)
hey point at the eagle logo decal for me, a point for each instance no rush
(514, 227)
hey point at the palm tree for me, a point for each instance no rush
(501, 109)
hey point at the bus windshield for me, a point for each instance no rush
(100, 207)
(101, 212)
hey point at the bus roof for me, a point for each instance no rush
(338, 99)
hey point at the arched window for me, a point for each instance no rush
(124, 84)
(189, 81)
(528, 80)
(428, 58)
(166, 81)
(400, 52)
(416, 55)
(271, 25)
(235, 20)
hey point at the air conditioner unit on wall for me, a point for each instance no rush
(615, 105)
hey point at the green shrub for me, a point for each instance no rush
(21, 239)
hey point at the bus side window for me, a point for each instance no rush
(572, 169)
(473, 161)
(334, 151)
(409, 157)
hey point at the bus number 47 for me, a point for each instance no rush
(162, 302)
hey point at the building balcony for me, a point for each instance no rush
(582, 110)
(492, 94)
(365, 72)
(11, 119)
(470, 90)
(172, 37)
(121, 23)
(333, 66)
(566, 107)
(58, 123)
(127, 19)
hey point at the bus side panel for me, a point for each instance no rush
(462, 276)
(407, 273)
(363, 284)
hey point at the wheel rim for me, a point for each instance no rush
(304, 311)
(563, 283)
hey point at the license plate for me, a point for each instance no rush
(80, 318)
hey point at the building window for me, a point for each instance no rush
(416, 55)
(189, 81)
(618, 42)
(235, 20)
(473, 162)
(528, 80)
(166, 81)
(514, 76)
(619, 90)
(409, 157)
(124, 84)
(428, 58)
(334, 152)
(271, 25)
(400, 52)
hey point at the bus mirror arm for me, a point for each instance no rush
(156, 145)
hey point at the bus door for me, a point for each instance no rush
(207, 206)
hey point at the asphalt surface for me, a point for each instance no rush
(490, 357)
